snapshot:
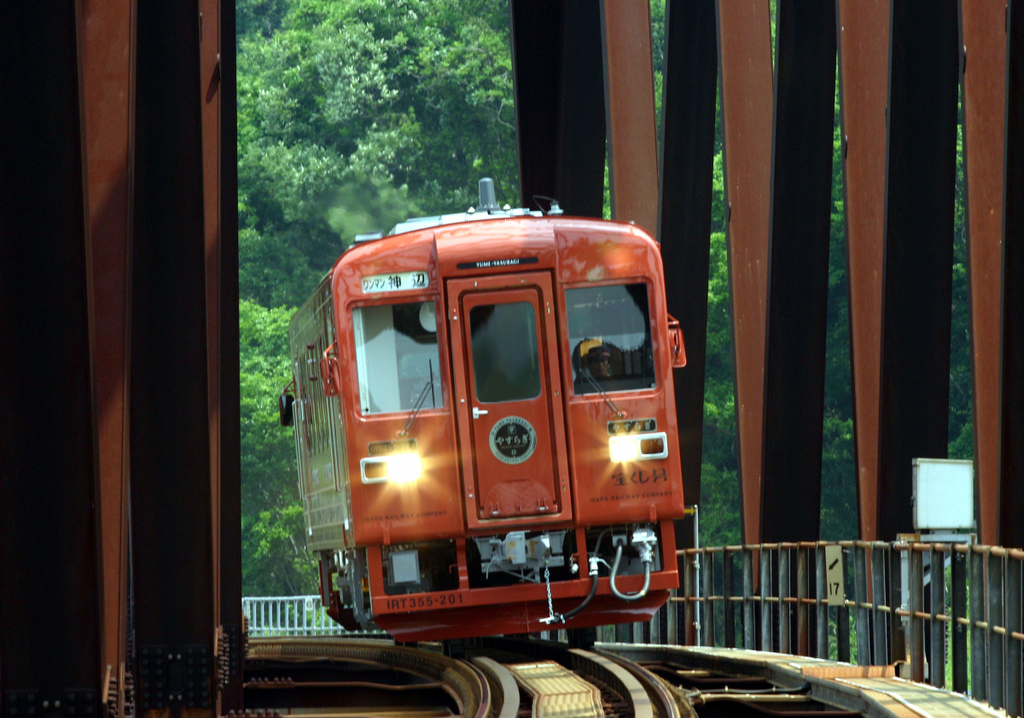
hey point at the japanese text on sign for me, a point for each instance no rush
(632, 426)
(395, 282)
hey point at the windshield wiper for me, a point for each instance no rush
(420, 399)
(607, 399)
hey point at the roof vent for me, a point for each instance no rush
(488, 202)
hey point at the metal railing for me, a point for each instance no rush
(289, 616)
(960, 626)
(950, 615)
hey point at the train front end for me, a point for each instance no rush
(486, 429)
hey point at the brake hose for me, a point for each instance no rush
(615, 569)
(563, 617)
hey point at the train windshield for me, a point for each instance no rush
(397, 358)
(610, 338)
(506, 363)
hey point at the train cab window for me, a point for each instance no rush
(506, 364)
(397, 358)
(610, 338)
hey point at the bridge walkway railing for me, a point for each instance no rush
(948, 614)
(290, 616)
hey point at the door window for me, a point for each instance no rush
(397, 358)
(610, 338)
(506, 364)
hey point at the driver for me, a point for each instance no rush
(599, 361)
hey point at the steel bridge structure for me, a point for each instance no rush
(119, 451)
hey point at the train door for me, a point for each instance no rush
(506, 368)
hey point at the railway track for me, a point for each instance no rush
(517, 678)
(737, 683)
(499, 678)
(360, 677)
(625, 691)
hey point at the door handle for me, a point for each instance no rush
(477, 413)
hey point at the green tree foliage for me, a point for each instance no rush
(720, 513)
(275, 560)
(259, 17)
(356, 114)
(838, 472)
(961, 389)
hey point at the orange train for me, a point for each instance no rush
(485, 426)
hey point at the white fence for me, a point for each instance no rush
(289, 616)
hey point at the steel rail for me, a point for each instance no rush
(669, 705)
(503, 686)
(464, 682)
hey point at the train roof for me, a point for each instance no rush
(492, 238)
(471, 215)
(446, 227)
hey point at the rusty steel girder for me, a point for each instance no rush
(229, 575)
(1011, 488)
(629, 109)
(917, 284)
(801, 214)
(744, 41)
(51, 611)
(106, 68)
(863, 43)
(220, 216)
(684, 220)
(72, 193)
(983, 37)
(171, 507)
(559, 88)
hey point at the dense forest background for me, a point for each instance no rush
(356, 114)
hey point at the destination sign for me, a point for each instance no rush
(395, 282)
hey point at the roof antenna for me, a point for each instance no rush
(488, 202)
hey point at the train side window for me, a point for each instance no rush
(397, 359)
(610, 337)
(506, 362)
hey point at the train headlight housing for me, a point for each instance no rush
(396, 468)
(634, 447)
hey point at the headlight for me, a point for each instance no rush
(622, 449)
(398, 468)
(633, 447)
(404, 467)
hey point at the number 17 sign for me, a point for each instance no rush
(834, 575)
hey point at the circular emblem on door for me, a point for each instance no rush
(513, 440)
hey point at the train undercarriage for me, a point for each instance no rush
(516, 582)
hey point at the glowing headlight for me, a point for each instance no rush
(398, 468)
(637, 446)
(623, 448)
(404, 467)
